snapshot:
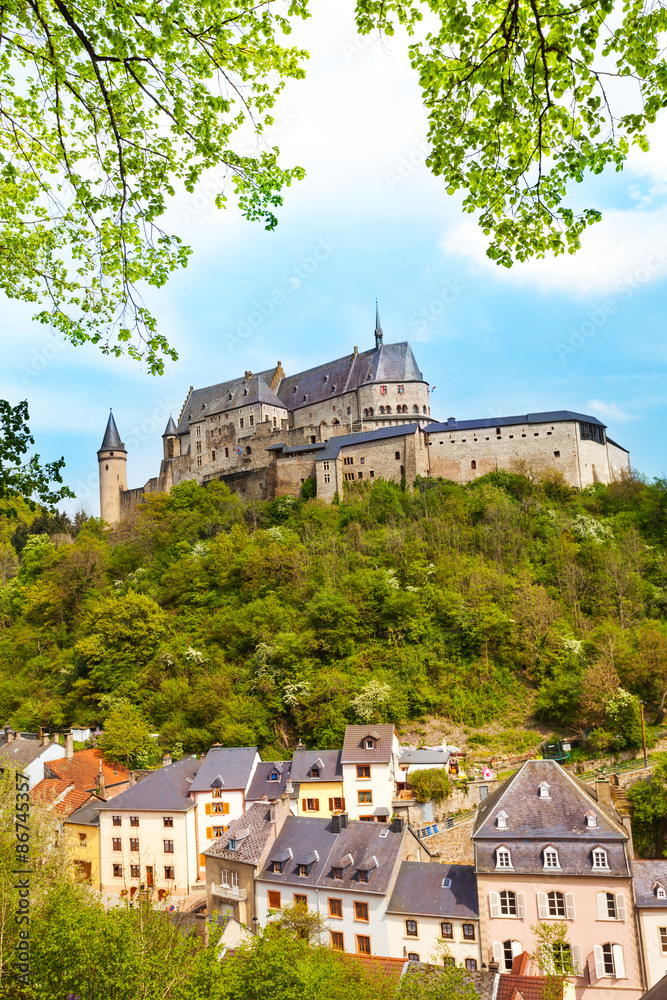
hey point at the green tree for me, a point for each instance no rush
(22, 481)
(649, 812)
(126, 736)
(431, 783)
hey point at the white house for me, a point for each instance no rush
(650, 892)
(29, 752)
(369, 771)
(219, 792)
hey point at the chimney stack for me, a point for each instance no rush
(166, 760)
(101, 790)
(45, 738)
(494, 967)
(69, 746)
(133, 779)
(397, 824)
(603, 789)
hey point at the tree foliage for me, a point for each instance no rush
(21, 480)
(431, 783)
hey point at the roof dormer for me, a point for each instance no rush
(501, 820)
(315, 769)
(278, 861)
(543, 790)
(370, 740)
(659, 891)
(365, 869)
(591, 819)
(304, 866)
(217, 782)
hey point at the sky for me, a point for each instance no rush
(583, 332)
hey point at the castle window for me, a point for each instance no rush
(370, 411)
(401, 389)
(498, 431)
(382, 409)
(325, 378)
(360, 475)
(294, 389)
(267, 418)
(348, 460)
(349, 477)
(349, 411)
(511, 435)
(251, 420)
(199, 446)
(365, 413)
(388, 409)
(536, 434)
(415, 409)
(213, 456)
(556, 454)
(424, 409)
(327, 478)
(248, 450)
(241, 422)
(106, 467)
(548, 434)
(326, 466)
(199, 461)
(591, 432)
(383, 390)
(198, 430)
(245, 392)
(397, 456)
(275, 421)
(335, 422)
(226, 452)
(305, 397)
(473, 464)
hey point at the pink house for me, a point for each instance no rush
(548, 849)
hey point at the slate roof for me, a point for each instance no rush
(262, 786)
(426, 757)
(257, 821)
(616, 444)
(363, 841)
(645, 875)
(255, 390)
(233, 764)
(21, 751)
(88, 814)
(335, 444)
(165, 790)
(419, 890)
(533, 823)
(111, 439)
(353, 751)
(331, 767)
(657, 992)
(547, 417)
(170, 429)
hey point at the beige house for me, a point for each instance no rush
(369, 766)
(650, 894)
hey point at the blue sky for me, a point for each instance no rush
(583, 333)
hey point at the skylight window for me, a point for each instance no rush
(446, 883)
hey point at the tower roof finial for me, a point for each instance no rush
(378, 328)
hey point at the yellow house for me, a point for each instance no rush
(319, 776)
(82, 830)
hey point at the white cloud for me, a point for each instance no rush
(611, 411)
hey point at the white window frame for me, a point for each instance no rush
(600, 852)
(505, 854)
(617, 961)
(544, 790)
(550, 854)
(501, 820)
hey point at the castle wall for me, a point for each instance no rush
(619, 460)
(130, 499)
(384, 458)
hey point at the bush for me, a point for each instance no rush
(431, 783)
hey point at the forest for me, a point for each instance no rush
(491, 607)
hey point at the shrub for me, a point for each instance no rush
(431, 783)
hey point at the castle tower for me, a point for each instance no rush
(112, 458)
(170, 441)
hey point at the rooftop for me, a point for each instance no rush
(83, 768)
(254, 828)
(111, 439)
(335, 444)
(647, 875)
(232, 764)
(329, 765)
(262, 784)
(420, 890)
(24, 749)
(424, 757)
(547, 417)
(86, 815)
(166, 790)
(354, 745)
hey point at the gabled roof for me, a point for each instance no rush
(657, 992)
(62, 796)
(165, 790)
(84, 766)
(419, 890)
(353, 745)
(330, 770)
(645, 875)
(87, 814)
(547, 417)
(21, 751)
(233, 764)
(335, 444)
(255, 390)
(111, 439)
(257, 829)
(262, 787)
(427, 758)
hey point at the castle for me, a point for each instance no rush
(366, 416)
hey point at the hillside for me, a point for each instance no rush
(448, 610)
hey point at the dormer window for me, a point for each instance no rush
(364, 870)
(660, 891)
(314, 772)
(233, 844)
(369, 744)
(544, 791)
(364, 876)
(325, 378)
(600, 862)
(551, 861)
(446, 883)
(302, 870)
(503, 858)
(278, 861)
(338, 873)
(501, 820)
(245, 392)
(591, 820)
(274, 776)
(294, 389)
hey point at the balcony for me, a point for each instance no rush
(228, 892)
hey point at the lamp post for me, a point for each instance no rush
(641, 709)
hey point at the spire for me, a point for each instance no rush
(111, 440)
(378, 328)
(170, 429)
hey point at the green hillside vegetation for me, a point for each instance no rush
(263, 623)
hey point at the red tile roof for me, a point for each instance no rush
(528, 987)
(60, 794)
(83, 768)
(374, 965)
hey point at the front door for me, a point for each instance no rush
(149, 876)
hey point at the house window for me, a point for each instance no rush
(471, 964)
(609, 960)
(411, 928)
(363, 770)
(662, 933)
(117, 871)
(277, 867)
(370, 743)
(241, 422)
(168, 846)
(134, 871)
(220, 807)
(503, 858)
(600, 858)
(551, 858)
(336, 804)
(349, 477)
(311, 805)
(468, 932)
(134, 821)
(82, 839)
(397, 456)
(447, 930)
(360, 475)
(338, 873)
(365, 876)
(273, 900)
(235, 880)
(365, 796)
(224, 877)
(562, 954)
(336, 908)
(115, 843)
(116, 820)
(363, 944)
(300, 900)
(508, 955)
(275, 421)
(134, 843)
(473, 464)
(556, 903)
(413, 956)
(216, 793)
(314, 772)
(169, 872)
(337, 941)
(660, 892)
(508, 903)
(360, 911)
(302, 870)
(167, 820)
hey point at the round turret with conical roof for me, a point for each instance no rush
(112, 459)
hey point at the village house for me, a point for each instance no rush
(71, 780)
(82, 830)
(342, 868)
(219, 792)
(433, 915)
(650, 896)
(369, 761)
(148, 834)
(271, 780)
(549, 848)
(319, 777)
(29, 752)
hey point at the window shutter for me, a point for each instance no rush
(619, 964)
(494, 905)
(517, 948)
(620, 906)
(603, 913)
(304, 805)
(497, 952)
(225, 807)
(521, 904)
(317, 805)
(207, 808)
(331, 805)
(209, 833)
(577, 963)
(542, 905)
(569, 906)
(599, 960)
(343, 803)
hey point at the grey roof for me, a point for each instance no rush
(87, 815)
(419, 890)
(303, 836)
(255, 390)
(262, 787)
(657, 992)
(234, 764)
(335, 444)
(645, 874)
(258, 828)
(616, 444)
(170, 429)
(425, 757)
(534, 823)
(299, 448)
(331, 768)
(21, 751)
(353, 744)
(111, 439)
(548, 416)
(165, 790)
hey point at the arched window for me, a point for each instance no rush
(473, 464)
(447, 930)
(609, 960)
(415, 409)
(424, 409)
(370, 411)
(411, 928)
(365, 413)
(382, 409)
(335, 422)
(248, 450)
(388, 409)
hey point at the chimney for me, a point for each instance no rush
(273, 811)
(344, 818)
(494, 967)
(356, 350)
(397, 824)
(166, 760)
(101, 790)
(56, 737)
(69, 746)
(335, 823)
(45, 738)
(603, 789)
(133, 779)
